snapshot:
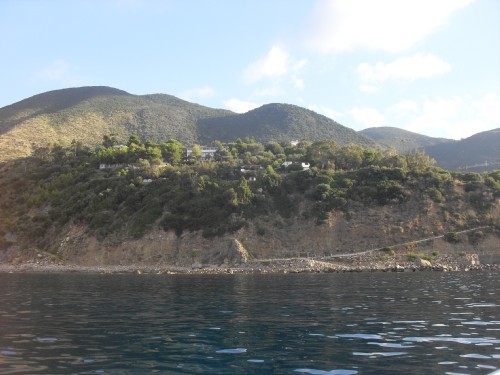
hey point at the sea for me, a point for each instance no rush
(336, 324)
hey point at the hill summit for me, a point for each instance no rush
(89, 113)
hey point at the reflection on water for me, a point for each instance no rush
(367, 323)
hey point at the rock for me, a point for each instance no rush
(423, 263)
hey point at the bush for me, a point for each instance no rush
(412, 257)
(451, 237)
(436, 195)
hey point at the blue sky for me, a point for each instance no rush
(428, 66)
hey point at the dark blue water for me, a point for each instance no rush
(363, 323)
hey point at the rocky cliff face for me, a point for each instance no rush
(275, 237)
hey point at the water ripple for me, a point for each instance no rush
(321, 372)
(232, 351)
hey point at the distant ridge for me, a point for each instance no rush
(479, 152)
(89, 113)
(57, 100)
(280, 122)
(402, 140)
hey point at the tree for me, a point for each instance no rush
(172, 151)
(419, 162)
(275, 148)
(153, 154)
(196, 151)
(223, 152)
(109, 140)
(76, 146)
(134, 140)
(393, 161)
(244, 192)
(322, 154)
(350, 157)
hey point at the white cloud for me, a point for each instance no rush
(438, 116)
(455, 117)
(387, 25)
(367, 117)
(404, 69)
(58, 70)
(488, 109)
(278, 67)
(200, 92)
(403, 108)
(299, 83)
(268, 92)
(274, 64)
(325, 111)
(299, 64)
(239, 106)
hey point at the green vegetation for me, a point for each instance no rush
(412, 256)
(89, 113)
(451, 237)
(401, 140)
(119, 191)
(281, 122)
(476, 153)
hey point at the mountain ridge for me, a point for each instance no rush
(402, 140)
(479, 152)
(270, 121)
(88, 113)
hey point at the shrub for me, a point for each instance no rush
(388, 251)
(451, 237)
(436, 195)
(411, 257)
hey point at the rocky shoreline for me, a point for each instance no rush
(297, 265)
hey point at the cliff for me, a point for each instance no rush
(390, 227)
(61, 207)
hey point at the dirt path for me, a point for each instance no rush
(364, 252)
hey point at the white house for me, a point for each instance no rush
(207, 152)
(110, 166)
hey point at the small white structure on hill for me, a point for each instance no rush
(207, 152)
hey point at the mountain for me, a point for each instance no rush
(88, 113)
(479, 152)
(402, 140)
(280, 122)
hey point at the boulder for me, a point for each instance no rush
(423, 263)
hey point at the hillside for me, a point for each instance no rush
(88, 113)
(479, 152)
(280, 122)
(402, 140)
(148, 207)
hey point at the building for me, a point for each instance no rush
(207, 153)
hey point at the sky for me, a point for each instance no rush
(427, 66)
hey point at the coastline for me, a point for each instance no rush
(251, 267)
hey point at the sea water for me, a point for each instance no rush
(352, 323)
